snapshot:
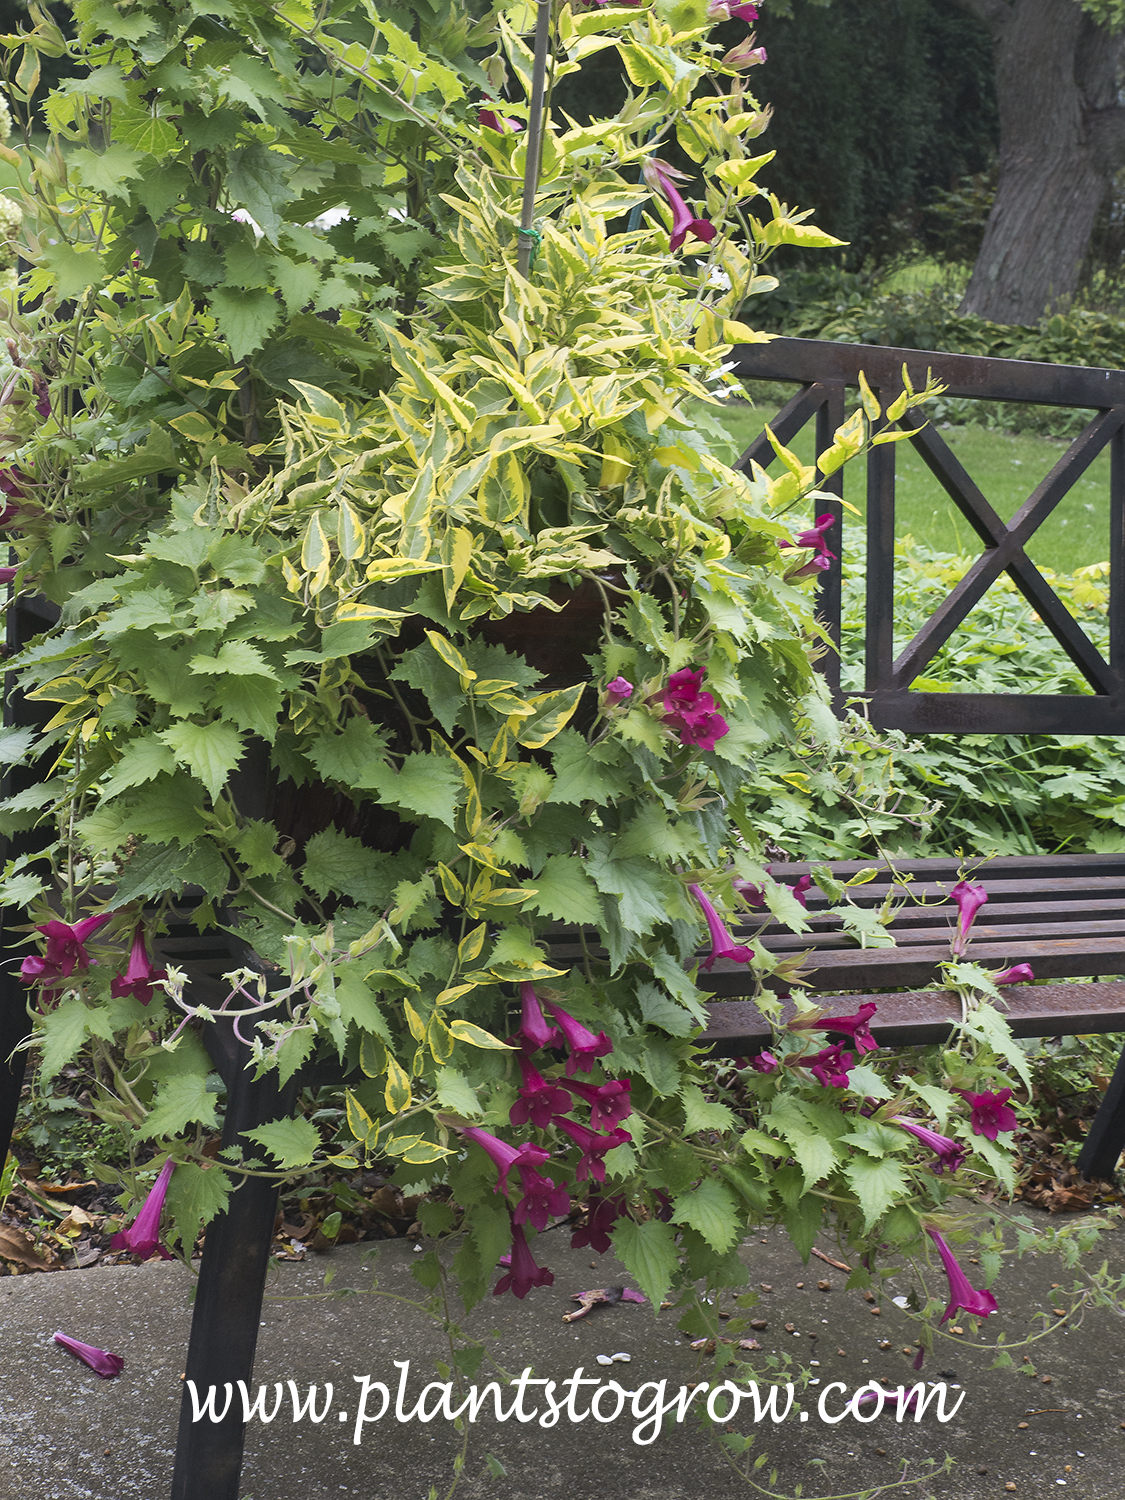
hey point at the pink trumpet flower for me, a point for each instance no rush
(523, 1273)
(593, 1148)
(690, 711)
(506, 1157)
(1017, 974)
(617, 691)
(7, 574)
(962, 1297)
(601, 1215)
(539, 1101)
(969, 899)
(814, 539)
(533, 1027)
(584, 1045)
(831, 1066)
(101, 1361)
(139, 975)
(66, 945)
(609, 1102)
(542, 1199)
(143, 1235)
(991, 1112)
(658, 174)
(857, 1027)
(949, 1153)
(722, 944)
(765, 1062)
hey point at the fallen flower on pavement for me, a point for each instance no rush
(101, 1361)
(602, 1296)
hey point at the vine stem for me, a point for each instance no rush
(534, 137)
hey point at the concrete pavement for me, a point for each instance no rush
(66, 1435)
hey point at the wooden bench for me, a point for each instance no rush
(1063, 913)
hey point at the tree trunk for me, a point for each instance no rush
(1060, 142)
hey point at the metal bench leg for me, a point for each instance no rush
(14, 1027)
(1106, 1138)
(228, 1306)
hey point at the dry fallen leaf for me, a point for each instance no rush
(602, 1296)
(17, 1246)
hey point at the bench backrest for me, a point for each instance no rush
(823, 371)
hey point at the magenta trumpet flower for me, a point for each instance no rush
(506, 1157)
(66, 950)
(658, 174)
(962, 1297)
(584, 1045)
(857, 1027)
(1017, 974)
(991, 1112)
(139, 975)
(534, 1029)
(722, 944)
(523, 1273)
(617, 692)
(539, 1101)
(814, 538)
(949, 1153)
(542, 1199)
(601, 1215)
(101, 1361)
(609, 1102)
(143, 1235)
(969, 899)
(593, 1148)
(831, 1066)
(690, 711)
(765, 1062)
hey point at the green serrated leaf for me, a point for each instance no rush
(648, 1253)
(293, 1142)
(209, 751)
(181, 1099)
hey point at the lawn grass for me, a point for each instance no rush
(1007, 467)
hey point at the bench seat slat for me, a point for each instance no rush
(926, 1016)
(907, 935)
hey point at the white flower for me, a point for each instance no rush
(240, 216)
(718, 277)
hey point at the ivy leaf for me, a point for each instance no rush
(648, 1253)
(564, 891)
(65, 1029)
(427, 785)
(195, 1195)
(142, 760)
(245, 318)
(209, 751)
(294, 1142)
(712, 1211)
(183, 1098)
(107, 171)
(876, 1184)
(72, 270)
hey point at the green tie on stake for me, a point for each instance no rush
(529, 236)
